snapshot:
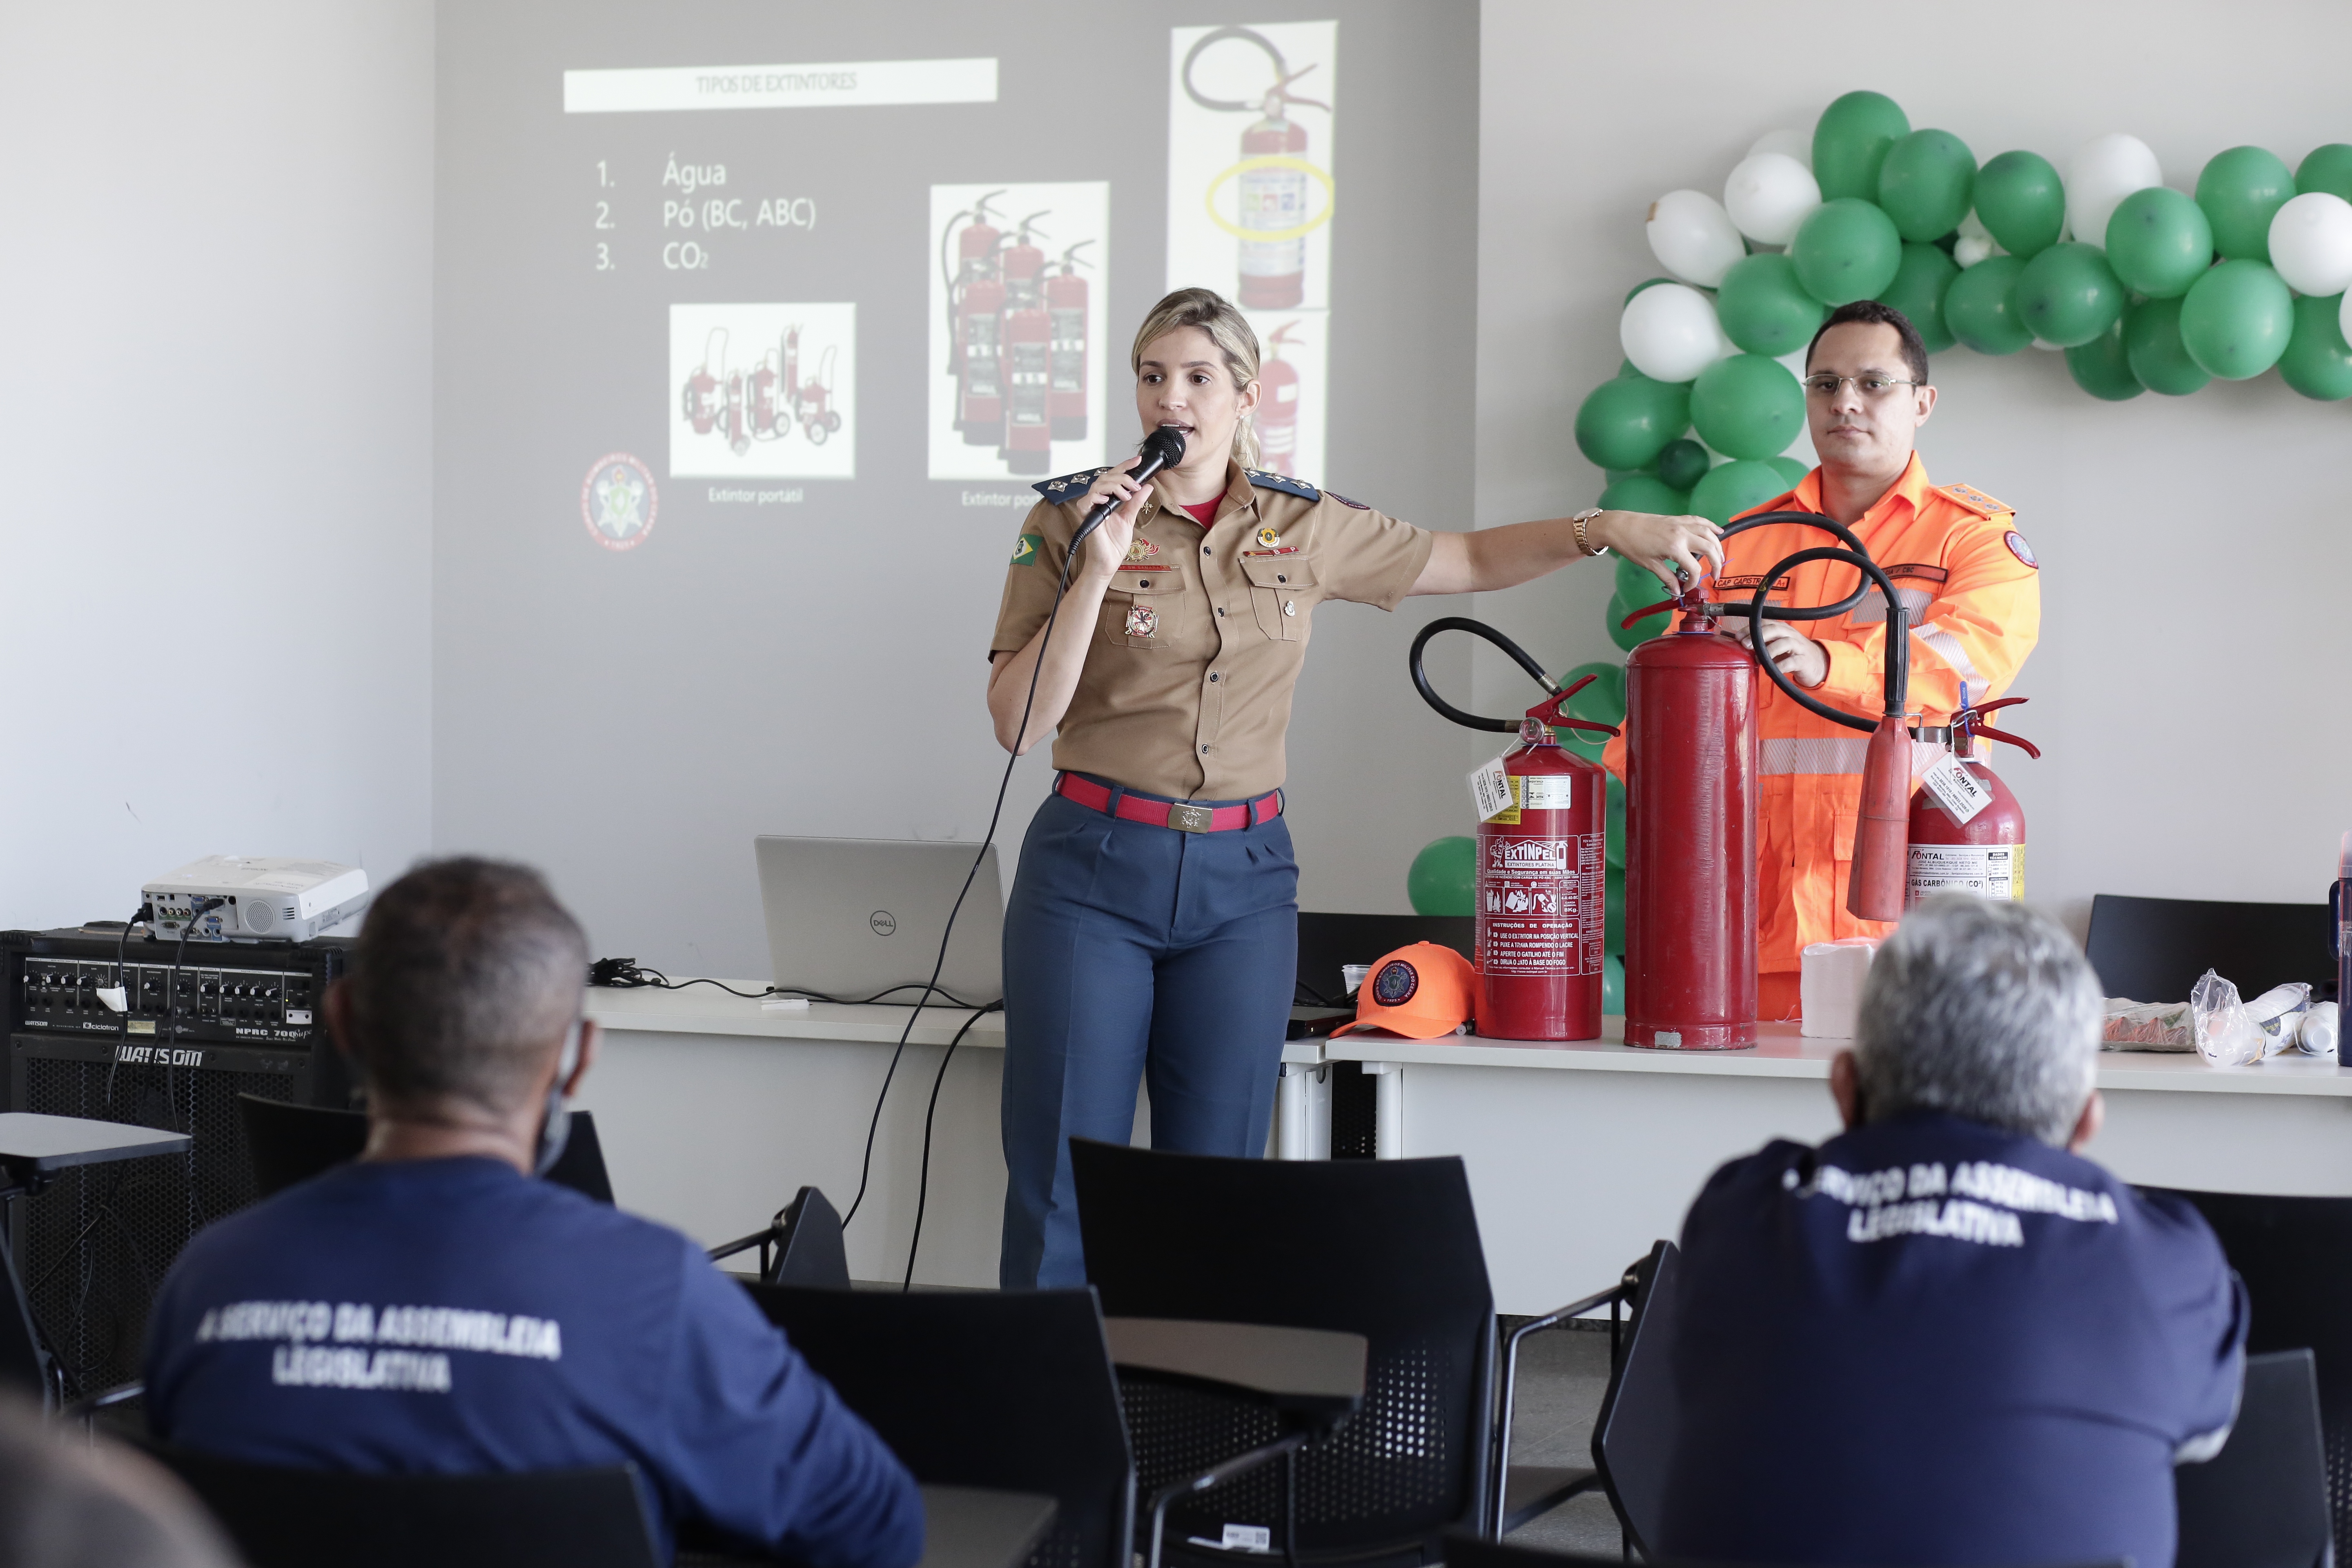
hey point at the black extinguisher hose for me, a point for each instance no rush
(1476, 629)
(1898, 618)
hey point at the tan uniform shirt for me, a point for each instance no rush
(1191, 661)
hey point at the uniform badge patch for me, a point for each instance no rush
(2019, 548)
(1343, 500)
(1136, 549)
(1026, 548)
(1143, 620)
(1396, 982)
(1268, 537)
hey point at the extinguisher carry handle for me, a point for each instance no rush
(1974, 719)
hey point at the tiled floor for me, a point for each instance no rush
(1561, 1376)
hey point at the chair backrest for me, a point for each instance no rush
(1388, 1249)
(1468, 1552)
(2153, 949)
(1633, 1435)
(290, 1143)
(282, 1518)
(1327, 941)
(22, 1366)
(2261, 1501)
(2296, 1256)
(814, 1254)
(1011, 1390)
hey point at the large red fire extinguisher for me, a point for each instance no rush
(1539, 893)
(1025, 340)
(1065, 308)
(1969, 835)
(1277, 407)
(975, 301)
(1273, 187)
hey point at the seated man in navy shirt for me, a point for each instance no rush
(1943, 1337)
(434, 1308)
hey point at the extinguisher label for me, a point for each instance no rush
(1547, 791)
(1987, 870)
(1960, 792)
(1491, 794)
(1539, 910)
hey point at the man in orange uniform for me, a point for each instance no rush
(1963, 571)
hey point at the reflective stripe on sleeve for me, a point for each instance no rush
(1946, 646)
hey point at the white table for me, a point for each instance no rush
(1581, 1156)
(713, 1112)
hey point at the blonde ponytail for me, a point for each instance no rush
(1228, 329)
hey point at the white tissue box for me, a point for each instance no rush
(1830, 987)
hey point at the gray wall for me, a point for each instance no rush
(2185, 689)
(216, 299)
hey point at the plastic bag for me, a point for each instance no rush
(2226, 1037)
(2147, 1026)
(2318, 1036)
(2279, 1013)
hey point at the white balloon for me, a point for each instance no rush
(2310, 243)
(2100, 175)
(1971, 249)
(2344, 319)
(1769, 195)
(1692, 236)
(1797, 144)
(2054, 348)
(1669, 332)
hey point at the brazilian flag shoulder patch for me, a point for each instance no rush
(1025, 549)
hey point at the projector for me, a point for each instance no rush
(254, 898)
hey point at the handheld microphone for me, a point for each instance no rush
(1164, 447)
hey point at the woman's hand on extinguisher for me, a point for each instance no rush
(1107, 547)
(1663, 544)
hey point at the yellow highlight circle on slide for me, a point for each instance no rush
(1270, 236)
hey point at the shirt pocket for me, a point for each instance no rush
(1282, 591)
(1143, 609)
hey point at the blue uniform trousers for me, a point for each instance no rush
(1136, 952)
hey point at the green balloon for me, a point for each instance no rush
(1764, 309)
(1845, 250)
(1613, 890)
(1626, 422)
(1926, 183)
(2069, 295)
(1981, 307)
(1617, 476)
(1632, 636)
(2236, 320)
(1645, 492)
(1746, 407)
(2317, 363)
(1851, 141)
(2242, 190)
(1637, 585)
(1791, 469)
(1920, 282)
(2152, 347)
(2327, 168)
(1613, 983)
(1683, 464)
(1445, 878)
(1636, 289)
(2101, 368)
(2160, 242)
(1730, 488)
(2021, 203)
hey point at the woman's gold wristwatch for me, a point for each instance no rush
(1580, 520)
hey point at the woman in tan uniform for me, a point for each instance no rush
(1152, 929)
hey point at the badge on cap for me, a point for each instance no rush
(1143, 620)
(2022, 551)
(1396, 982)
(1268, 537)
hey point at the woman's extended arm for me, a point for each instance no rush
(1491, 558)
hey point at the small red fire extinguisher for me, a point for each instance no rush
(1026, 337)
(1273, 187)
(1968, 832)
(1065, 308)
(975, 299)
(1277, 408)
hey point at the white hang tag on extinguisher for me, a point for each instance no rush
(1958, 792)
(1490, 791)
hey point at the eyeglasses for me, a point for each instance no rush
(1868, 386)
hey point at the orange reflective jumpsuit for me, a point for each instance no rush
(1971, 583)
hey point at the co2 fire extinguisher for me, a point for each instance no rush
(1277, 408)
(1272, 176)
(1541, 895)
(1026, 341)
(975, 302)
(1065, 310)
(1968, 832)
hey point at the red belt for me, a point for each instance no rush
(1180, 814)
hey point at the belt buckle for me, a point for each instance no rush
(1188, 818)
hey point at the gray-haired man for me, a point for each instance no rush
(1944, 1337)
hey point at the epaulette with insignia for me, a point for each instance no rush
(1284, 483)
(1975, 500)
(1070, 487)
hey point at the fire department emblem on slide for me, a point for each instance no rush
(618, 502)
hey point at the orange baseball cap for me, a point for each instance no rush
(1420, 991)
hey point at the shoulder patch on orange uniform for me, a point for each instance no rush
(1975, 500)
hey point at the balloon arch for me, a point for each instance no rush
(2145, 288)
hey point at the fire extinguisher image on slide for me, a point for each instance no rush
(768, 420)
(1274, 178)
(1025, 338)
(1065, 310)
(975, 299)
(1277, 406)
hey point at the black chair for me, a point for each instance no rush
(1471, 1552)
(2261, 1501)
(1632, 1437)
(1327, 941)
(282, 1518)
(801, 1245)
(2153, 949)
(2296, 1256)
(290, 1143)
(1386, 1249)
(1011, 1391)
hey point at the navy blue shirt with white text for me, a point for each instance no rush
(1932, 1343)
(455, 1316)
